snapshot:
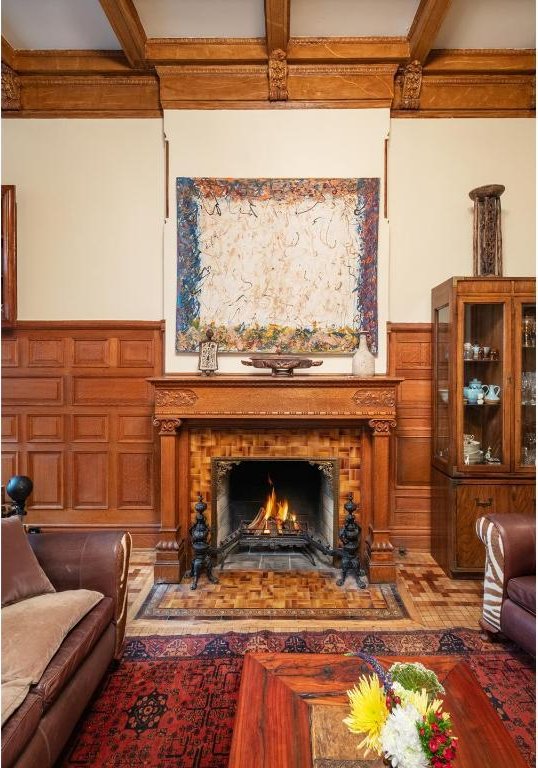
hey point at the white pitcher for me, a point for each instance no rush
(492, 391)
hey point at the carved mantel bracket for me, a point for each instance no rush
(167, 426)
(381, 426)
(278, 76)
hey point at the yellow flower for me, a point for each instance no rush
(368, 711)
(419, 700)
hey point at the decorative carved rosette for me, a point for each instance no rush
(278, 76)
(411, 83)
(383, 398)
(382, 426)
(167, 426)
(11, 89)
(175, 398)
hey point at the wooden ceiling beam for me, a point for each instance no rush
(9, 54)
(329, 50)
(277, 25)
(124, 20)
(469, 61)
(426, 24)
(171, 50)
(72, 62)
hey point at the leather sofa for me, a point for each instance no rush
(510, 577)
(73, 565)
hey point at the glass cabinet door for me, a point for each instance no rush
(441, 439)
(482, 386)
(525, 386)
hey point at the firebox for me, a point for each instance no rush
(275, 506)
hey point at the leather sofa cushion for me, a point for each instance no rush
(72, 652)
(18, 730)
(34, 629)
(522, 590)
(22, 576)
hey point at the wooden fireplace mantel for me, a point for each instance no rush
(222, 400)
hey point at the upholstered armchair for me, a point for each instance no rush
(510, 577)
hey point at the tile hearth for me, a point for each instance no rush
(432, 600)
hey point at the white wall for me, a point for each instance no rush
(90, 205)
(91, 201)
(433, 165)
(320, 143)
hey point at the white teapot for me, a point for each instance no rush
(492, 392)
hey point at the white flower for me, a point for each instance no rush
(400, 741)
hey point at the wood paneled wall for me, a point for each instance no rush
(410, 356)
(77, 418)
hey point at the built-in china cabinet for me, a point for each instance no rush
(484, 411)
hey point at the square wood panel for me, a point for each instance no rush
(44, 428)
(136, 353)
(10, 353)
(46, 469)
(91, 428)
(10, 428)
(90, 480)
(135, 429)
(10, 465)
(89, 353)
(45, 352)
(135, 480)
(38, 390)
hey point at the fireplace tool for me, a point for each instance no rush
(349, 535)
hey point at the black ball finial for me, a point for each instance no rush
(18, 488)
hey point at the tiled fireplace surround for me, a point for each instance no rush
(247, 416)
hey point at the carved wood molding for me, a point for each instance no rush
(167, 426)
(314, 72)
(375, 398)
(179, 398)
(165, 545)
(11, 89)
(278, 75)
(381, 426)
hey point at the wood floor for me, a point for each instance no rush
(432, 600)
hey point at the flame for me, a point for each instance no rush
(276, 510)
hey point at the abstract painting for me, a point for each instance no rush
(277, 265)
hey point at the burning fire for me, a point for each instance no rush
(276, 511)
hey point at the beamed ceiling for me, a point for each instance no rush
(420, 58)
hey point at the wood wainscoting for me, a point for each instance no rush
(77, 418)
(410, 356)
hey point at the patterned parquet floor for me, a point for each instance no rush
(432, 600)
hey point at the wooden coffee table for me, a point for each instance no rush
(290, 711)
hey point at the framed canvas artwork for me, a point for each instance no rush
(277, 265)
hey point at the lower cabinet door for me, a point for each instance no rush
(473, 501)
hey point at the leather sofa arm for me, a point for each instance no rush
(97, 560)
(518, 536)
(510, 541)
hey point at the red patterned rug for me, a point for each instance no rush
(170, 702)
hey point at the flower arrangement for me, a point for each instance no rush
(401, 717)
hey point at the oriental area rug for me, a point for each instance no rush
(170, 702)
(273, 594)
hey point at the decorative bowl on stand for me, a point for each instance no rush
(281, 365)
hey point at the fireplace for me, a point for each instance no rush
(274, 502)
(227, 418)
